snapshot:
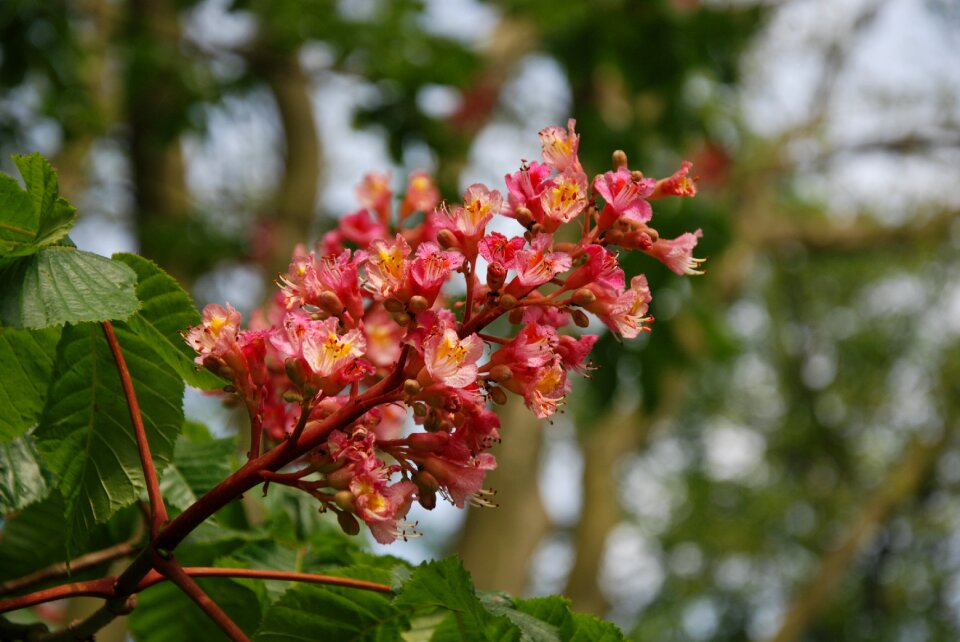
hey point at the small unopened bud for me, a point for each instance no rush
(420, 409)
(402, 318)
(583, 296)
(292, 396)
(427, 500)
(524, 217)
(340, 478)
(515, 316)
(330, 302)
(619, 159)
(580, 318)
(636, 175)
(418, 304)
(344, 499)
(498, 396)
(393, 305)
(218, 366)
(508, 302)
(296, 371)
(614, 237)
(536, 228)
(426, 482)
(447, 239)
(348, 523)
(501, 373)
(496, 276)
(411, 387)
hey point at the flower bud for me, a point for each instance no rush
(393, 305)
(344, 499)
(496, 276)
(580, 318)
(292, 396)
(401, 318)
(636, 175)
(501, 373)
(613, 237)
(426, 482)
(420, 409)
(619, 159)
(583, 297)
(524, 217)
(348, 523)
(411, 387)
(296, 370)
(515, 316)
(447, 239)
(218, 366)
(418, 304)
(508, 302)
(340, 479)
(498, 396)
(427, 500)
(330, 302)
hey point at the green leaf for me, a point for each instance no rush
(196, 468)
(166, 311)
(573, 627)
(447, 584)
(311, 612)
(85, 435)
(532, 628)
(165, 614)
(23, 478)
(37, 217)
(588, 628)
(27, 358)
(61, 284)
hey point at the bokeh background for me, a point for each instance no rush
(778, 460)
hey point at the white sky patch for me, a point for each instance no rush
(631, 572)
(731, 452)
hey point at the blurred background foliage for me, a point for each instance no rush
(777, 460)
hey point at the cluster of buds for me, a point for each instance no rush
(407, 298)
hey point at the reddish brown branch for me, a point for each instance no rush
(158, 511)
(283, 576)
(62, 569)
(175, 573)
(92, 588)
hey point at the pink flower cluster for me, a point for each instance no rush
(378, 302)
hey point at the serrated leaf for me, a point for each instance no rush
(573, 627)
(35, 537)
(196, 468)
(166, 310)
(448, 585)
(61, 284)
(165, 614)
(85, 435)
(23, 478)
(27, 357)
(36, 217)
(311, 612)
(532, 628)
(588, 628)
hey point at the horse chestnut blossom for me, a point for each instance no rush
(374, 358)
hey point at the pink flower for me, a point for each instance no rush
(601, 268)
(537, 265)
(431, 269)
(383, 337)
(498, 250)
(677, 254)
(479, 206)
(218, 324)
(450, 360)
(627, 315)
(574, 351)
(422, 194)
(678, 184)
(560, 146)
(387, 266)
(374, 192)
(624, 197)
(326, 352)
(525, 187)
(361, 228)
(381, 506)
(534, 346)
(563, 198)
(462, 479)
